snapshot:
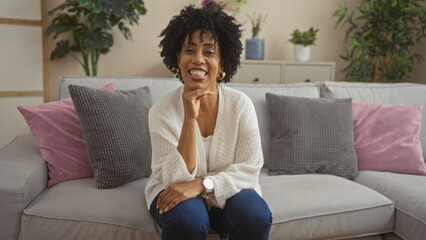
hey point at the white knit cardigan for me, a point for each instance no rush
(236, 154)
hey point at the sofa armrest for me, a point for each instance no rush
(23, 177)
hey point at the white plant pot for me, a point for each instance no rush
(302, 53)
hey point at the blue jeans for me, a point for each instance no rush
(246, 216)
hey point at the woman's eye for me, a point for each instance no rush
(210, 53)
(189, 50)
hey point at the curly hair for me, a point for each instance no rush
(224, 29)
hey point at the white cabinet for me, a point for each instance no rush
(280, 72)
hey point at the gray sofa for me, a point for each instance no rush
(377, 205)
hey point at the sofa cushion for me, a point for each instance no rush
(380, 93)
(256, 93)
(311, 136)
(317, 206)
(76, 210)
(58, 134)
(115, 131)
(303, 207)
(409, 194)
(387, 137)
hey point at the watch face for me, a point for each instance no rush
(208, 184)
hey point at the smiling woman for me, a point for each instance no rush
(206, 153)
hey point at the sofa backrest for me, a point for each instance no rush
(157, 86)
(380, 93)
(161, 86)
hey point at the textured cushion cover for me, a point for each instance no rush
(57, 131)
(115, 131)
(311, 136)
(387, 137)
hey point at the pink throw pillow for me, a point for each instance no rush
(387, 137)
(58, 133)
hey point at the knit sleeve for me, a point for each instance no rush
(248, 159)
(167, 164)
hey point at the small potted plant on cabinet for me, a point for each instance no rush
(255, 46)
(302, 43)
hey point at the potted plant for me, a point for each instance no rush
(90, 22)
(255, 47)
(232, 5)
(238, 4)
(302, 43)
(380, 39)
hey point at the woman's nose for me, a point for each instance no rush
(198, 58)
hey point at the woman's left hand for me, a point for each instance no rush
(177, 193)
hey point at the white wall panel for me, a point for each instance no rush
(24, 9)
(21, 59)
(11, 121)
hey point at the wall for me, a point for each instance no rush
(141, 58)
(21, 65)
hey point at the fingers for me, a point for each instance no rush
(201, 93)
(160, 200)
(193, 95)
(168, 200)
(191, 100)
(172, 204)
(177, 193)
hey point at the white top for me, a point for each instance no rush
(207, 142)
(235, 155)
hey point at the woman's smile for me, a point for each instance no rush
(198, 74)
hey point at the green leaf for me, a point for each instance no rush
(99, 21)
(125, 31)
(369, 44)
(361, 50)
(61, 50)
(97, 40)
(89, 5)
(61, 23)
(367, 33)
(340, 14)
(346, 58)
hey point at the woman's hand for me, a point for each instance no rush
(191, 102)
(177, 193)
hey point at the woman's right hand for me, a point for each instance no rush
(191, 102)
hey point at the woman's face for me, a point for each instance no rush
(199, 62)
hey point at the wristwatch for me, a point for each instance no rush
(209, 185)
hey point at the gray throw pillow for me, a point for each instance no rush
(115, 132)
(311, 136)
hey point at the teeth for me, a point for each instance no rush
(197, 73)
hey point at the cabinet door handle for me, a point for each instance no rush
(256, 80)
